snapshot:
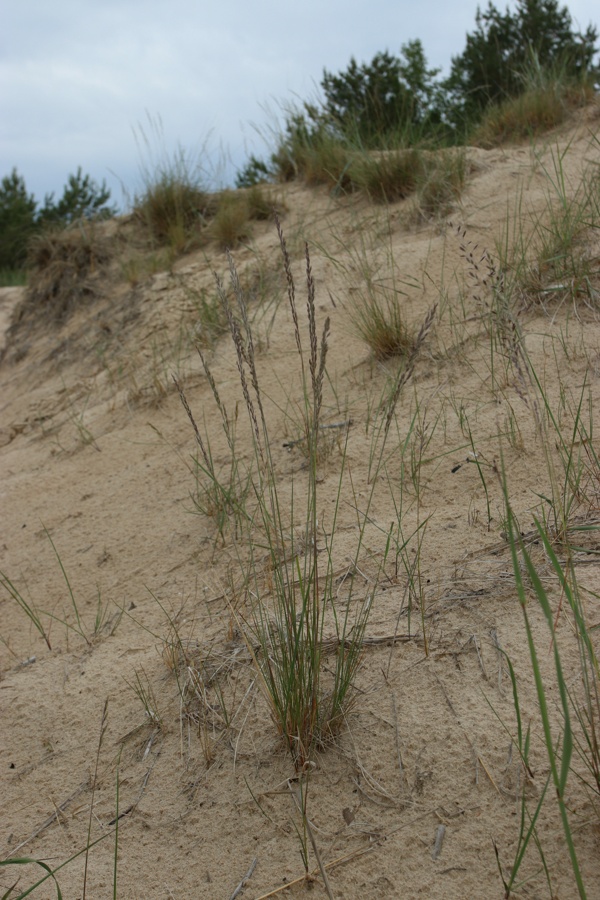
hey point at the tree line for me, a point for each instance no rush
(401, 97)
(373, 105)
(21, 217)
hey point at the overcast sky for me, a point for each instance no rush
(78, 78)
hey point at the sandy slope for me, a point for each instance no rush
(93, 448)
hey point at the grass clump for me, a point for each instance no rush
(520, 118)
(326, 161)
(388, 176)
(173, 204)
(234, 212)
(231, 223)
(311, 152)
(436, 177)
(547, 99)
(375, 300)
(173, 210)
(378, 319)
(306, 650)
(442, 182)
(261, 203)
(65, 268)
(555, 262)
(305, 641)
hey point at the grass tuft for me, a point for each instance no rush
(231, 223)
(173, 204)
(548, 98)
(306, 651)
(441, 184)
(378, 319)
(388, 176)
(66, 266)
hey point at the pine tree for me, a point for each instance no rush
(382, 97)
(82, 198)
(17, 221)
(503, 45)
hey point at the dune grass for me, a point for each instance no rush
(546, 256)
(379, 320)
(568, 707)
(66, 268)
(305, 648)
(291, 640)
(172, 201)
(102, 624)
(548, 97)
(559, 746)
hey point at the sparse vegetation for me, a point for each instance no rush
(552, 262)
(21, 219)
(380, 624)
(377, 316)
(287, 640)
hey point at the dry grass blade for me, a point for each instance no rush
(244, 880)
(408, 369)
(103, 726)
(301, 809)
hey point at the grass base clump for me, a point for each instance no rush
(388, 176)
(317, 156)
(442, 182)
(65, 268)
(261, 203)
(375, 306)
(377, 318)
(173, 211)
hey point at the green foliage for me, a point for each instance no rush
(398, 101)
(82, 198)
(503, 45)
(20, 218)
(254, 172)
(13, 277)
(382, 97)
(17, 221)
